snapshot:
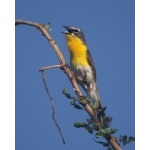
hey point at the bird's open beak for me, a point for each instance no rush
(69, 30)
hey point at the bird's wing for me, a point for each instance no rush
(91, 63)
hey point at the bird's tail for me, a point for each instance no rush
(92, 91)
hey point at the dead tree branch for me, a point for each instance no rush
(52, 104)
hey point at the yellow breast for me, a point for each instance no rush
(78, 51)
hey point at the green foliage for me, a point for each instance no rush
(105, 144)
(101, 111)
(75, 105)
(89, 120)
(47, 26)
(107, 119)
(123, 139)
(89, 129)
(84, 125)
(92, 128)
(104, 131)
(65, 92)
(73, 99)
(80, 124)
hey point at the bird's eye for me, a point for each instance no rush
(76, 30)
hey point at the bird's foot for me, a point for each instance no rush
(84, 100)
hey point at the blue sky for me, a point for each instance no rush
(108, 27)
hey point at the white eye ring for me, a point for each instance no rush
(76, 30)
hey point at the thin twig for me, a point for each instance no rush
(49, 67)
(52, 105)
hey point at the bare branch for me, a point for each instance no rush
(49, 67)
(52, 104)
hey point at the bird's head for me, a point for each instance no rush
(73, 31)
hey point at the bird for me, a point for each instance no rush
(82, 64)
